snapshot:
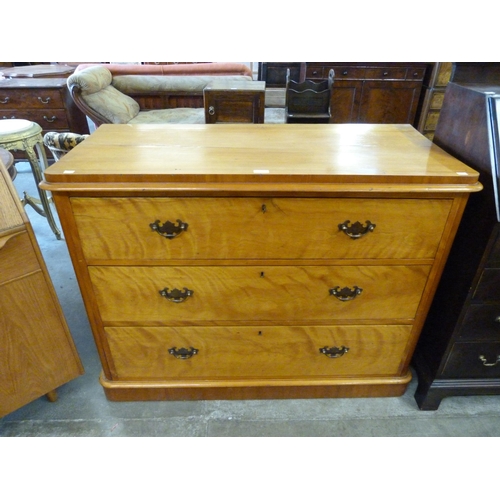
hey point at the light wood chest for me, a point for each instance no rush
(258, 261)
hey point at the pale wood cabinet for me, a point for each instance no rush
(257, 261)
(37, 353)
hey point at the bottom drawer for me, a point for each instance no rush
(473, 360)
(142, 353)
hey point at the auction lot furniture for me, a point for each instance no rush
(23, 135)
(258, 261)
(46, 101)
(37, 353)
(459, 351)
(234, 102)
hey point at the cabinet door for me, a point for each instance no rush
(389, 102)
(346, 97)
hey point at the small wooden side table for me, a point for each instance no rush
(230, 101)
(38, 71)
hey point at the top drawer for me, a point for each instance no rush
(259, 228)
(386, 73)
(30, 98)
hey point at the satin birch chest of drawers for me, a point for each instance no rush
(237, 261)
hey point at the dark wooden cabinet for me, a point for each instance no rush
(459, 349)
(46, 101)
(274, 73)
(372, 92)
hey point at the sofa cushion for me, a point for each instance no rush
(113, 105)
(136, 84)
(91, 80)
(174, 115)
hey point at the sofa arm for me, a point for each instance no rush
(94, 94)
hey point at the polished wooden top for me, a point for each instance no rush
(332, 157)
(37, 70)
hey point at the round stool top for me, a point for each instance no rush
(14, 126)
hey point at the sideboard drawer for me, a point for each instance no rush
(260, 228)
(346, 72)
(386, 73)
(271, 293)
(473, 360)
(22, 98)
(253, 352)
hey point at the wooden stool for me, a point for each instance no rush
(26, 136)
(8, 160)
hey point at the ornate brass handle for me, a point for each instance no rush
(169, 229)
(176, 295)
(211, 110)
(356, 230)
(183, 353)
(345, 293)
(334, 352)
(46, 101)
(7, 118)
(50, 120)
(485, 361)
(5, 100)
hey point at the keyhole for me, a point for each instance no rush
(264, 209)
(262, 274)
(260, 332)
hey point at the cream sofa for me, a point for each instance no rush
(136, 96)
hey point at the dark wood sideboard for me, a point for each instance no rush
(362, 92)
(459, 349)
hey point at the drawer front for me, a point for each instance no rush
(255, 352)
(55, 119)
(346, 72)
(481, 322)
(315, 72)
(253, 293)
(32, 98)
(488, 288)
(17, 257)
(415, 73)
(253, 228)
(386, 73)
(473, 360)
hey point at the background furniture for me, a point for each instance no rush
(138, 97)
(45, 101)
(367, 92)
(234, 102)
(260, 261)
(274, 73)
(433, 96)
(37, 353)
(308, 101)
(60, 144)
(37, 71)
(7, 159)
(459, 350)
(23, 135)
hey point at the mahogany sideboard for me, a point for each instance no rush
(258, 261)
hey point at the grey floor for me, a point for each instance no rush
(83, 411)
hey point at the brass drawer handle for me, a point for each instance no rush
(183, 353)
(5, 100)
(176, 295)
(356, 230)
(485, 361)
(50, 120)
(7, 118)
(46, 101)
(497, 319)
(334, 352)
(211, 110)
(169, 229)
(345, 293)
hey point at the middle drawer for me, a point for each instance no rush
(260, 228)
(155, 295)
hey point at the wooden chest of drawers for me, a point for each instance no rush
(257, 261)
(45, 101)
